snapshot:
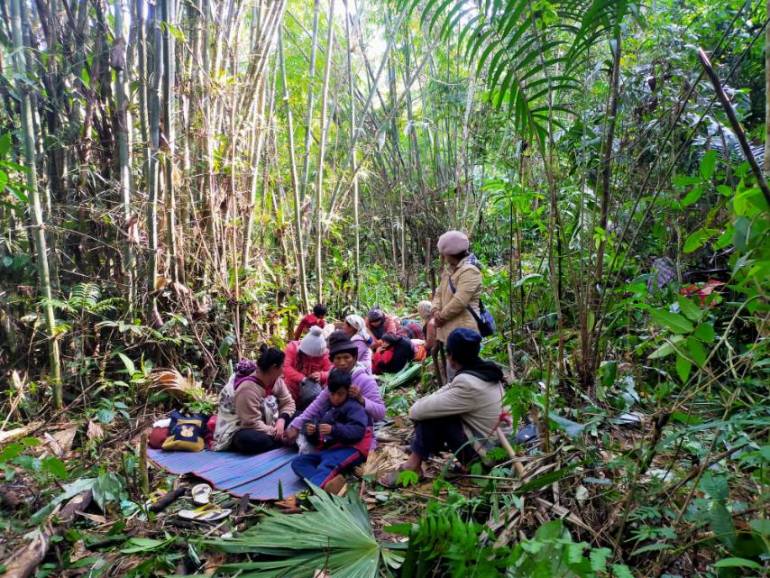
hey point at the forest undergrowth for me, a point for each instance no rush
(181, 181)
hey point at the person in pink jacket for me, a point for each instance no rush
(343, 354)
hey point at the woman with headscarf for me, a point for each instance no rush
(462, 416)
(355, 328)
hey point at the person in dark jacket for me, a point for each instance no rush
(394, 354)
(378, 324)
(343, 436)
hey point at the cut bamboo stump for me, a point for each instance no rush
(511, 452)
(144, 475)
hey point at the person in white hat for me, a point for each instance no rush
(306, 367)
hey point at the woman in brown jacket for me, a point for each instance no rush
(459, 289)
(263, 405)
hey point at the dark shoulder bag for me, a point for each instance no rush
(484, 319)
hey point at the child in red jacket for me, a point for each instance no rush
(314, 318)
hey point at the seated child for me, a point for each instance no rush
(343, 435)
(314, 318)
(393, 355)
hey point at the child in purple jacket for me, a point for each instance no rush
(343, 435)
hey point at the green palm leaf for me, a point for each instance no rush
(531, 52)
(335, 537)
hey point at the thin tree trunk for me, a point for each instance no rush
(590, 323)
(120, 64)
(153, 184)
(354, 160)
(169, 121)
(294, 181)
(36, 210)
(310, 97)
(767, 95)
(321, 154)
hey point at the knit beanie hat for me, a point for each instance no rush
(464, 345)
(313, 344)
(245, 367)
(453, 243)
(339, 342)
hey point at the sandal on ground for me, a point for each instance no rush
(390, 479)
(205, 514)
(201, 494)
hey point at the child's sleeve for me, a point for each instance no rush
(300, 328)
(355, 428)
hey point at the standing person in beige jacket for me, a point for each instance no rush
(463, 415)
(459, 289)
(263, 404)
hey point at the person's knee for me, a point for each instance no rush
(252, 442)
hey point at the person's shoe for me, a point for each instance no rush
(390, 479)
(336, 486)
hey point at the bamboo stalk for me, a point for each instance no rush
(168, 16)
(767, 93)
(153, 184)
(294, 180)
(310, 97)
(36, 211)
(353, 160)
(120, 64)
(321, 154)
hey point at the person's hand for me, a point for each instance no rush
(325, 429)
(315, 376)
(290, 434)
(355, 393)
(439, 319)
(310, 429)
(279, 429)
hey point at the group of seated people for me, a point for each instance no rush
(321, 394)
(385, 344)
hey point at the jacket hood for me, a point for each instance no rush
(484, 370)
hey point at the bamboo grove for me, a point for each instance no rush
(268, 154)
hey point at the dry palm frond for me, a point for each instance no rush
(384, 459)
(176, 385)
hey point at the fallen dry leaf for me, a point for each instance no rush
(59, 442)
(94, 431)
